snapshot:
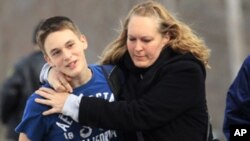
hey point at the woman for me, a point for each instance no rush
(164, 92)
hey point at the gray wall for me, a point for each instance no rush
(99, 19)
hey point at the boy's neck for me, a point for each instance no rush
(78, 81)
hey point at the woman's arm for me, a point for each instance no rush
(44, 73)
(56, 79)
(178, 89)
(61, 102)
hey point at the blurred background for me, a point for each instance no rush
(221, 23)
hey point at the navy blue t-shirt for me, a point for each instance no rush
(58, 127)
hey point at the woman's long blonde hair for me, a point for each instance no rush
(182, 38)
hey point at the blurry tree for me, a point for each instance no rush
(235, 35)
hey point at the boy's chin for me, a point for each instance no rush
(72, 74)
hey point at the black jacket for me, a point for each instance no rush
(166, 102)
(22, 82)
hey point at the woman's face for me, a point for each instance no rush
(144, 41)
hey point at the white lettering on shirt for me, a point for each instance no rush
(106, 136)
(63, 126)
(85, 132)
(65, 119)
(104, 95)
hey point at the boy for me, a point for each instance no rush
(63, 47)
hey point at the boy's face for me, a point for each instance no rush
(65, 52)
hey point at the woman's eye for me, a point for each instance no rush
(132, 39)
(146, 40)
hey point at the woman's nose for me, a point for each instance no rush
(138, 46)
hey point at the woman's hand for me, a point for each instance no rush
(52, 98)
(59, 81)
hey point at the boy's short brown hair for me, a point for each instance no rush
(54, 24)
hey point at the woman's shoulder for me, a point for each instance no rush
(185, 63)
(184, 60)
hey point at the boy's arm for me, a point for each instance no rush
(23, 137)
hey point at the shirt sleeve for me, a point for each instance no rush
(33, 123)
(44, 73)
(71, 106)
(11, 91)
(178, 88)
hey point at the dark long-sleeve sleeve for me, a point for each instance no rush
(22, 81)
(10, 91)
(175, 90)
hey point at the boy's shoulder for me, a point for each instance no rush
(34, 106)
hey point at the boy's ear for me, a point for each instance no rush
(83, 39)
(47, 59)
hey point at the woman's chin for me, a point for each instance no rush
(141, 65)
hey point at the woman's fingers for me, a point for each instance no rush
(49, 102)
(47, 90)
(59, 81)
(47, 93)
(54, 80)
(52, 98)
(43, 101)
(50, 111)
(65, 83)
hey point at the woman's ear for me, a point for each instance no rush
(166, 38)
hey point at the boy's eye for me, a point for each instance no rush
(70, 45)
(55, 53)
